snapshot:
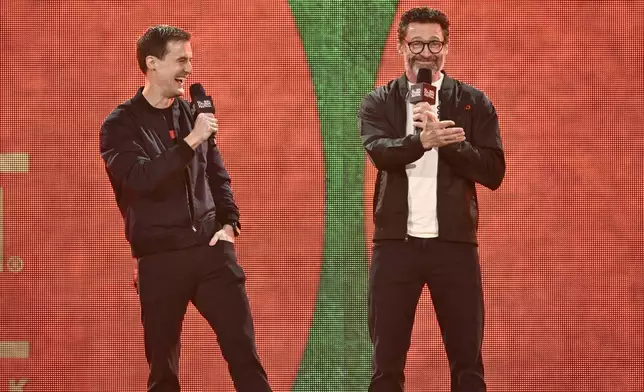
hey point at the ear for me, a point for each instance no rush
(151, 62)
(399, 46)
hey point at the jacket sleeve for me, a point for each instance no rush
(385, 152)
(219, 182)
(480, 159)
(128, 164)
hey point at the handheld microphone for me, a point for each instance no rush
(202, 103)
(422, 90)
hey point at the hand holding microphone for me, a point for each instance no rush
(433, 133)
(203, 109)
(423, 113)
(205, 128)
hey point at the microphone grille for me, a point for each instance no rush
(424, 76)
(197, 89)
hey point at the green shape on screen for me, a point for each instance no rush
(343, 41)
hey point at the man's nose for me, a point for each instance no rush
(425, 52)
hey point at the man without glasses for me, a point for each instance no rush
(174, 193)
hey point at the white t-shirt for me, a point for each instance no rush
(422, 220)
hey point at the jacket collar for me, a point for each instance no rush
(141, 103)
(447, 89)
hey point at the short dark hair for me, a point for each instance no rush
(154, 42)
(423, 15)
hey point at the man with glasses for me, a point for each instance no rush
(429, 158)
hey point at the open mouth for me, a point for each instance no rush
(180, 81)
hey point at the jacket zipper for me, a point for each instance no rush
(189, 198)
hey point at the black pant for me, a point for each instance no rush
(211, 278)
(399, 271)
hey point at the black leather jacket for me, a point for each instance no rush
(478, 159)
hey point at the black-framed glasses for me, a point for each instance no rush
(416, 47)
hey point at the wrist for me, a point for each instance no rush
(192, 140)
(425, 145)
(234, 226)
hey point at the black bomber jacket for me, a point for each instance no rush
(170, 196)
(478, 159)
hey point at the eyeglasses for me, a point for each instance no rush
(416, 47)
